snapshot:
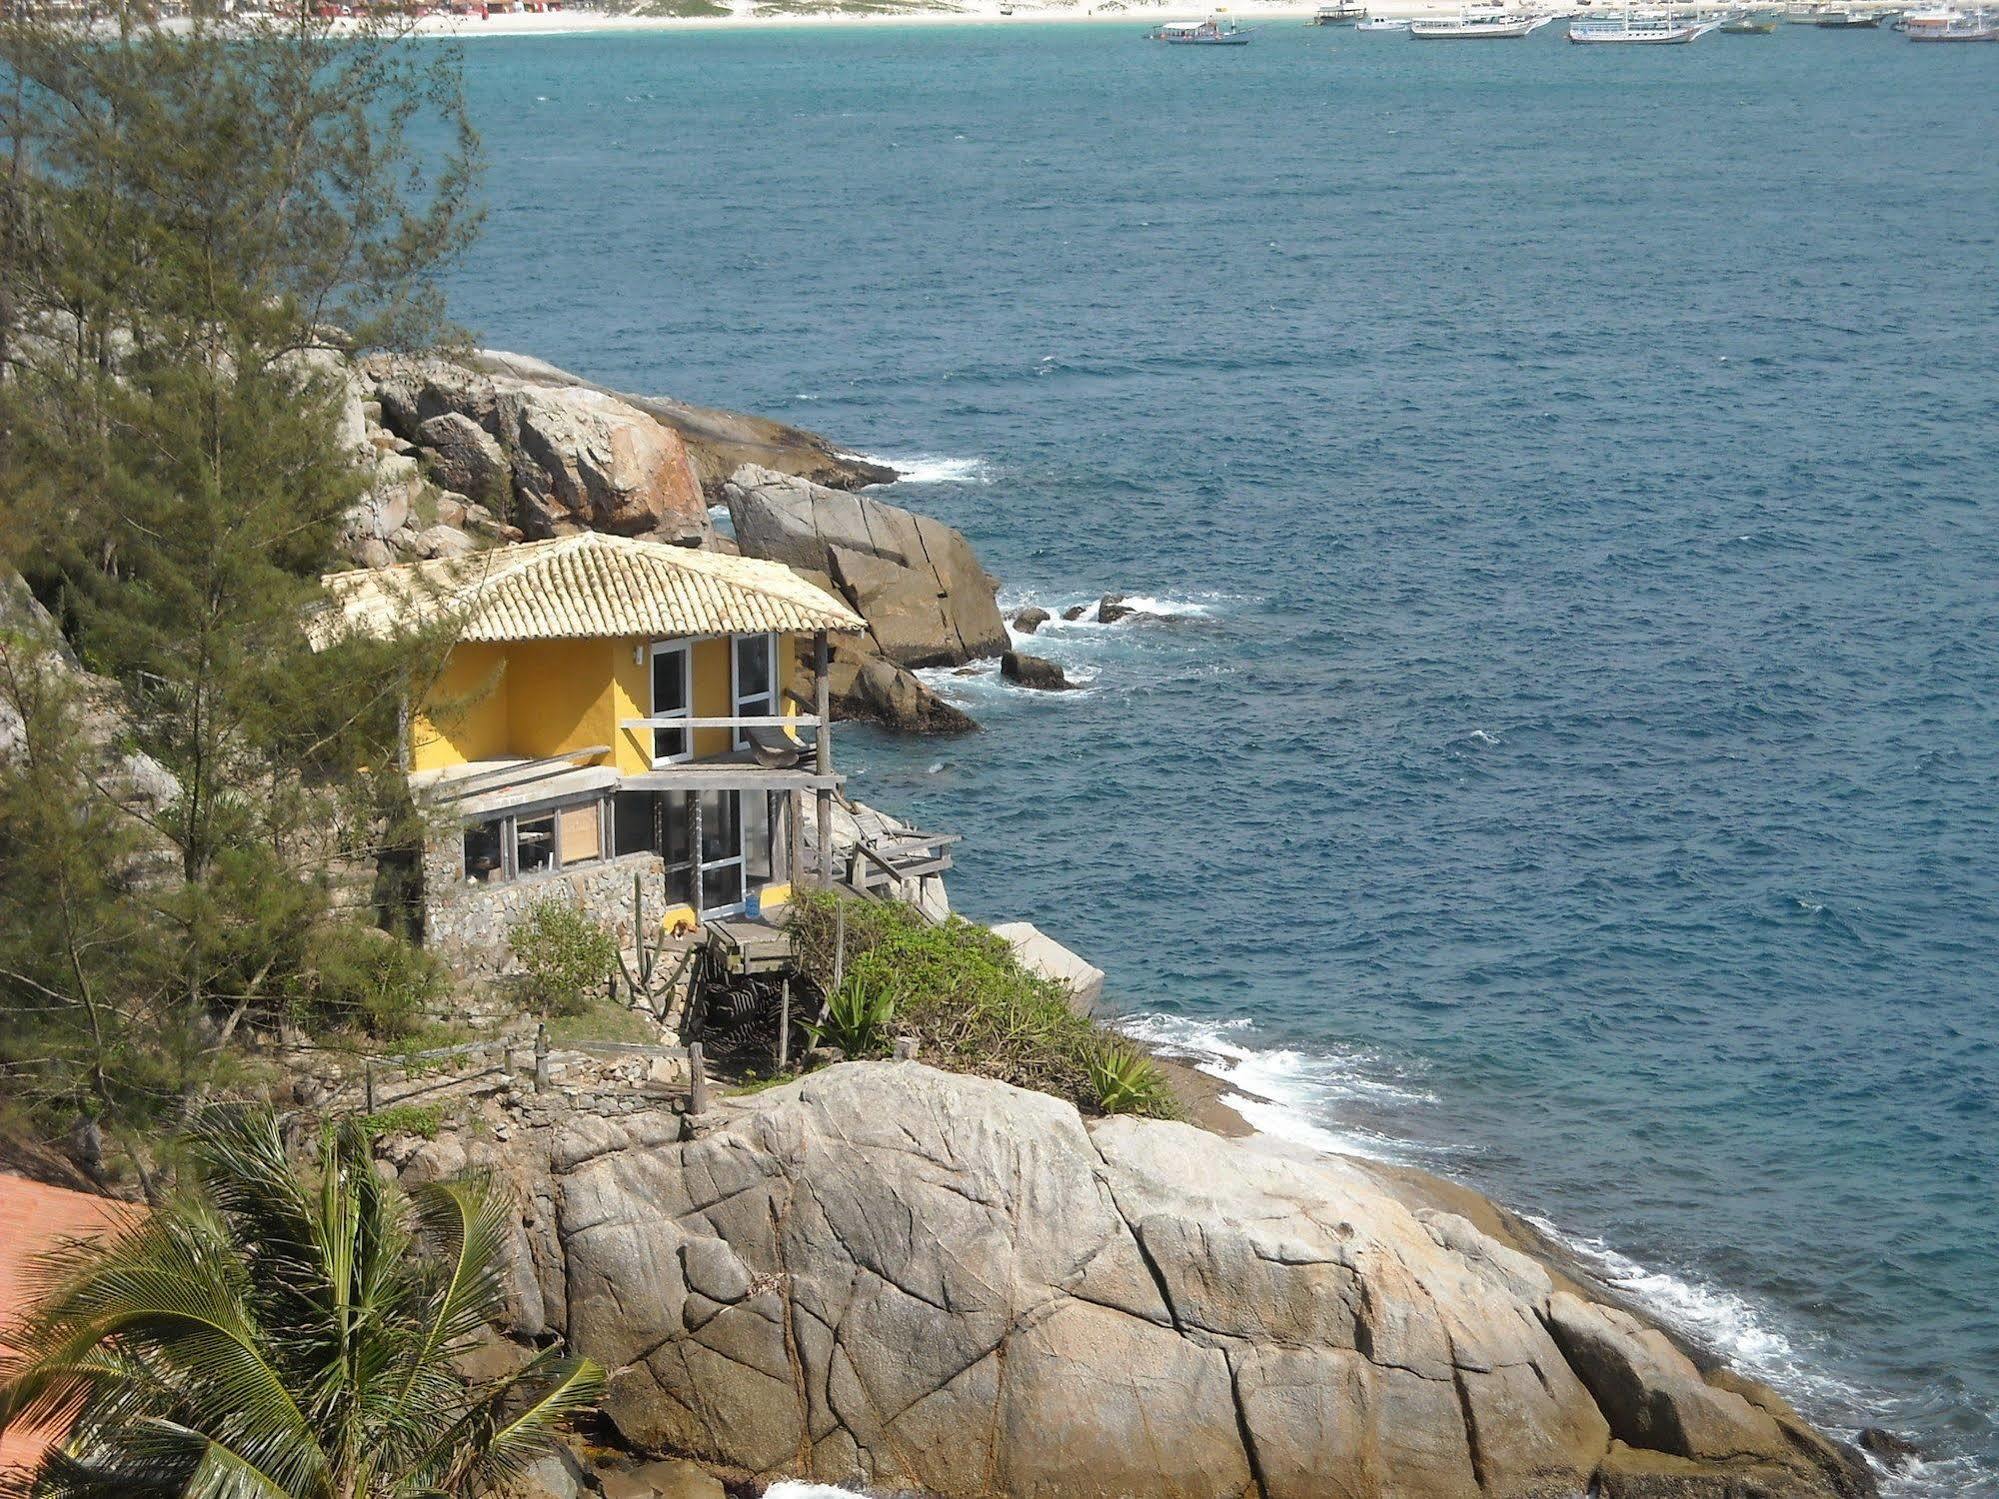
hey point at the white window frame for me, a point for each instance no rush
(768, 699)
(685, 650)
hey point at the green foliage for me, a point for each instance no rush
(860, 1012)
(364, 976)
(279, 1332)
(1127, 1081)
(424, 1119)
(959, 990)
(187, 210)
(567, 956)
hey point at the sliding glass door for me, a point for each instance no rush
(721, 852)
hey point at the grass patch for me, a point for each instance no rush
(958, 989)
(600, 1020)
(683, 9)
(424, 1119)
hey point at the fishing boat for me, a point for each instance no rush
(1960, 26)
(1338, 14)
(1844, 18)
(1751, 23)
(1641, 30)
(1208, 33)
(1382, 23)
(1473, 25)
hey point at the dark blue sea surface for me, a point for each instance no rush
(1560, 742)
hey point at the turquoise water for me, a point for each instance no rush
(1560, 744)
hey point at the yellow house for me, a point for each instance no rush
(609, 699)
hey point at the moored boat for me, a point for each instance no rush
(1751, 23)
(1638, 30)
(1382, 23)
(1957, 26)
(1209, 33)
(1339, 13)
(1845, 18)
(1472, 25)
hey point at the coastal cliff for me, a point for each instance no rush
(888, 1275)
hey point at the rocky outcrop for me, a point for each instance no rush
(720, 442)
(1034, 671)
(892, 1276)
(556, 456)
(913, 579)
(878, 691)
(41, 675)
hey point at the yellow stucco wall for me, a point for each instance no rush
(559, 696)
(465, 716)
(527, 699)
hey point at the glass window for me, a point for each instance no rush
(756, 695)
(672, 697)
(635, 822)
(721, 886)
(485, 852)
(721, 826)
(752, 666)
(757, 825)
(534, 844)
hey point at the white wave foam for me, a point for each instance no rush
(1725, 1321)
(791, 1488)
(1300, 1089)
(930, 468)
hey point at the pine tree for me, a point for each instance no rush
(193, 224)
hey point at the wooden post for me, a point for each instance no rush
(697, 1101)
(694, 851)
(794, 813)
(784, 1025)
(822, 705)
(839, 946)
(541, 1059)
(369, 1082)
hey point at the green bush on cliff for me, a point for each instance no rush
(567, 956)
(364, 976)
(971, 1006)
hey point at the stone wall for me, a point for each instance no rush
(467, 924)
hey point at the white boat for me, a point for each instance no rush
(1382, 23)
(1474, 25)
(1338, 14)
(1209, 33)
(1844, 18)
(1654, 31)
(1958, 26)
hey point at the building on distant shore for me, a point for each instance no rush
(611, 707)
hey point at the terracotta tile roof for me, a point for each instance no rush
(579, 587)
(35, 1218)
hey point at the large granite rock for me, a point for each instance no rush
(561, 456)
(891, 1276)
(720, 442)
(913, 579)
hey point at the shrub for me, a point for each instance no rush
(861, 1010)
(567, 956)
(1127, 1081)
(370, 978)
(960, 991)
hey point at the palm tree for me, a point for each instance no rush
(275, 1332)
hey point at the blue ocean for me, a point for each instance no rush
(1558, 743)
